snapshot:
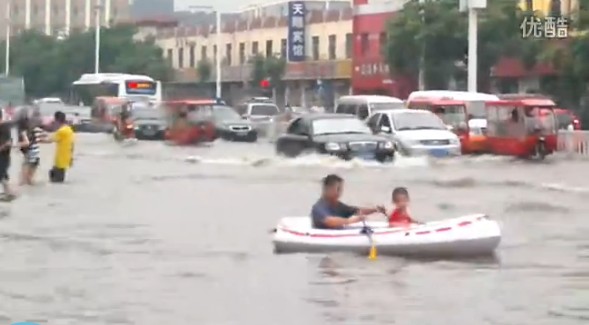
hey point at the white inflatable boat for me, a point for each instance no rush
(470, 235)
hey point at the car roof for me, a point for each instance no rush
(371, 99)
(402, 111)
(326, 116)
(452, 94)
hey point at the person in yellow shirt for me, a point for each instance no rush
(64, 148)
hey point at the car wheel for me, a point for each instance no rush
(252, 138)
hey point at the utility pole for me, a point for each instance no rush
(97, 9)
(8, 32)
(421, 80)
(472, 6)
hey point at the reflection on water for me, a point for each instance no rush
(141, 236)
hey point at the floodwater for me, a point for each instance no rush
(149, 234)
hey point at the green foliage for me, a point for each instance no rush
(204, 69)
(258, 72)
(437, 31)
(49, 65)
(272, 67)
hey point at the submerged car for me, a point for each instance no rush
(415, 132)
(231, 126)
(341, 135)
(149, 123)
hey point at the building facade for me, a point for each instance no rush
(59, 17)
(322, 41)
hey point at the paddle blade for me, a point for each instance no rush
(372, 255)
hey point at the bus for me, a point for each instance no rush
(12, 91)
(121, 85)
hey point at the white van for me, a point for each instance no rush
(364, 105)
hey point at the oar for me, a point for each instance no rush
(373, 252)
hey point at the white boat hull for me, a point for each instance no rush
(472, 235)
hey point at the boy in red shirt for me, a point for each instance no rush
(400, 216)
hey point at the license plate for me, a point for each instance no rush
(365, 155)
(439, 152)
(149, 132)
(241, 133)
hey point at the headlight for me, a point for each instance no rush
(386, 145)
(332, 146)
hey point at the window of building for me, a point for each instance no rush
(269, 51)
(181, 58)
(75, 10)
(349, 45)
(315, 44)
(214, 53)
(255, 48)
(35, 9)
(203, 52)
(283, 47)
(55, 10)
(241, 53)
(15, 10)
(382, 40)
(332, 43)
(364, 43)
(170, 55)
(228, 50)
(191, 57)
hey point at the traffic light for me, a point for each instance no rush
(265, 83)
(266, 87)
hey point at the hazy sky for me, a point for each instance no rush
(224, 5)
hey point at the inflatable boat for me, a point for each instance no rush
(470, 235)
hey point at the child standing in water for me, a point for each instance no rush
(400, 216)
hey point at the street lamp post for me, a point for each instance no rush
(8, 32)
(421, 78)
(97, 9)
(218, 87)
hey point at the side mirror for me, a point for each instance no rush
(450, 127)
(385, 129)
(244, 116)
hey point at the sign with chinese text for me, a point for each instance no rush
(296, 31)
(140, 87)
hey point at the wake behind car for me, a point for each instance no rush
(341, 135)
(415, 132)
(231, 126)
(149, 123)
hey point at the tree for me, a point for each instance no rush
(272, 68)
(275, 68)
(258, 72)
(49, 65)
(437, 32)
(204, 69)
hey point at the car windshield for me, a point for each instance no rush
(477, 110)
(417, 121)
(146, 114)
(383, 106)
(452, 115)
(564, 120)
(264, 110)
(47, 109)
(225, 113)
(339, 126)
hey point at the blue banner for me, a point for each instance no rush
(296, 31)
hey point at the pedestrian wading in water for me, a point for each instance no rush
(5, 148)
(64, 148)
(30, 136)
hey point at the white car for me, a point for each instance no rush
(415, 132)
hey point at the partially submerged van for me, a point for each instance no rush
(364, 105)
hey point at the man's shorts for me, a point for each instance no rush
(32, 160)
(57, 175)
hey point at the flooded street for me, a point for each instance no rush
(149, 234)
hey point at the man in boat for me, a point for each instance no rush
(330, 213)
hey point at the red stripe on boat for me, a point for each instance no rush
(422, 232)
(443, 229)
(464, 223)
